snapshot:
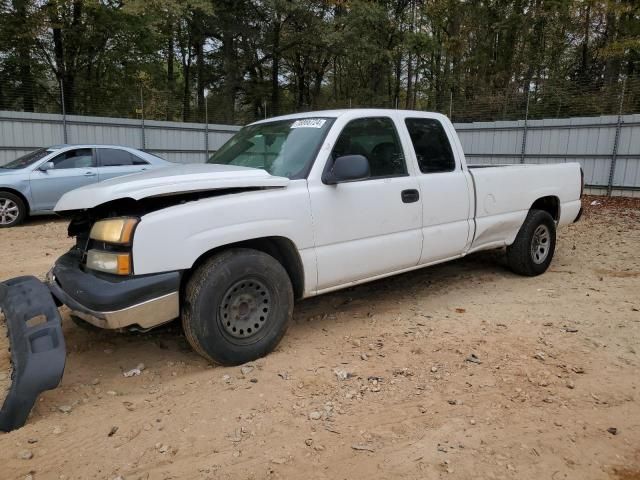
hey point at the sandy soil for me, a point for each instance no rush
(5, 361)
(554, 366)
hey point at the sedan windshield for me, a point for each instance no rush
(28, 159)
(284, 148)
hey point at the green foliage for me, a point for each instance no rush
(246, 59)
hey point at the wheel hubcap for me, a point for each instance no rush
(8, 211)
(540, 244)
(245, 308)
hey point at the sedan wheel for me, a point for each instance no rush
(12, 210)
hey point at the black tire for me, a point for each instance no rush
(237, 306)
(529, 255)
(11, 201)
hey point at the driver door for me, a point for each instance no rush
(370, 227)
(71, 169)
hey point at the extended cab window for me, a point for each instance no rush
(114, 157)
(431, 145)
(377, 140)
(80, 158)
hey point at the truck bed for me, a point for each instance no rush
(503, 196)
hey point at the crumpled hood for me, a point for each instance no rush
(168, 181)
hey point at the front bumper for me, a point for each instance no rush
(37, 346)
(140, 302)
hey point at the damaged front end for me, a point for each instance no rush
(38, 354)
(96, 279)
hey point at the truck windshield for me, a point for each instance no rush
(284, 148)
(28, 159)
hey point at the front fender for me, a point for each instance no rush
(175, 237)
(18, 184)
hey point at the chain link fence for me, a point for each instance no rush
(184, 128)
(548, 99)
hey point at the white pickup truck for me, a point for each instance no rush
(293, 207)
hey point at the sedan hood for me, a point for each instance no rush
(166, 182)
(5, 172)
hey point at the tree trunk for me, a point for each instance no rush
(584, 62)
(613, 63)
(171, 80)
(409, 98)
(65, 77)
(199, 48)
(186, 94)
(66, 52)
(186, 101)
(229, 67)
(300, 83)
(24, 60)
(275, 69)
(397, 80)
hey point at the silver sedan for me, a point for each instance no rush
(33, 183)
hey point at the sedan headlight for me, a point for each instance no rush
(109, 262)
(114, 230)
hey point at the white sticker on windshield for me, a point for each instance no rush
(309, 123)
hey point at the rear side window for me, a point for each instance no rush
(375, 138)
(431, 145)
(112, 157)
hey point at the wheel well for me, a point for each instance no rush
(280, 248)
(550, 204)
(19, 195)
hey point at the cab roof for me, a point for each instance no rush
(338, 113)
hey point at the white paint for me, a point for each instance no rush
(348, 233)
(166, 181)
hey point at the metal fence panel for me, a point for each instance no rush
(587, 140)
(22, 132)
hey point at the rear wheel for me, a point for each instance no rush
(237, 306)
(12, 210)
(532, 251)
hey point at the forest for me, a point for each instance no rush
(237, 61)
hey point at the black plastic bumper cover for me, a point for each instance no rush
(86, 289)
(37, 346)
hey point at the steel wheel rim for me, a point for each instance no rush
(9, 211)
(540, 244)
(245, 308)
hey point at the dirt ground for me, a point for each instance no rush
(459, 371)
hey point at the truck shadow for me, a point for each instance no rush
(167, 343)
(97, 359)
(459, 274)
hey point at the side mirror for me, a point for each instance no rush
(347, 169)
(47, 166)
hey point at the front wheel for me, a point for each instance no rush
(532, 251)
(12, 210)
(237, 306)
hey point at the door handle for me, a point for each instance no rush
(89, 174)
(410, 196)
